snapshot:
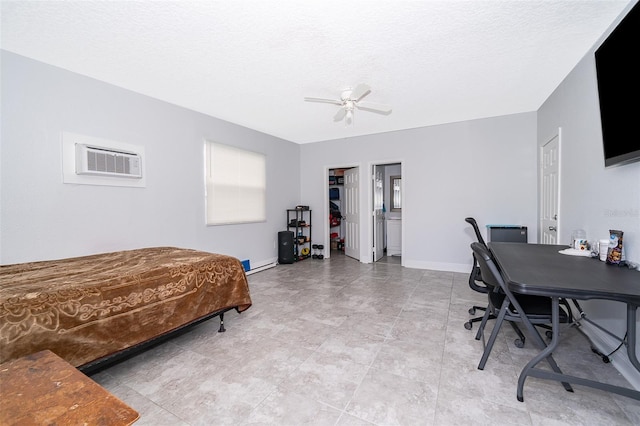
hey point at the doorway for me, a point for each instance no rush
(386, 196)
(344, 211)
(549, 172)
(351, 231)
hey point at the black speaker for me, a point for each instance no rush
(285, 247)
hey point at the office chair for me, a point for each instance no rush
(536, 308)
(474, 278)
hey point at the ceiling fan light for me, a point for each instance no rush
(351, 99)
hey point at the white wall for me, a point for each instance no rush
(482, 168)
(42, 218)
(593, 198)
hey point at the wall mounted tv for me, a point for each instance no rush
(618, 72)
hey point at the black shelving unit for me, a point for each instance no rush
(299, 221)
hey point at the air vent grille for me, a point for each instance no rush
(92, 160)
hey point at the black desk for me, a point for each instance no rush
(539, 269)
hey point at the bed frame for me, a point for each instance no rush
(109, 360)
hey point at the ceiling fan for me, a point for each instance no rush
(350, 99)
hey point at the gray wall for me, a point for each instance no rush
(42, 218)
(593, 198)
(482, 168)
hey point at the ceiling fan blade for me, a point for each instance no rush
(328, 101)
(360, 91)
(374, 107)
(340, 114)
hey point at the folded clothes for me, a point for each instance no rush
(576, 252)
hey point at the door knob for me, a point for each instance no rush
(553, 228)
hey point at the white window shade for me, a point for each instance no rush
(235, 185)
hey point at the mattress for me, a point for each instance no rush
(87, 308)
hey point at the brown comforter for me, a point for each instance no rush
(90, 307)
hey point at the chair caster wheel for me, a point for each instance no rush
(519, 343)
(468, 325)
(472, 311)
(549, 334)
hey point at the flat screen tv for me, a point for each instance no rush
(618, 72)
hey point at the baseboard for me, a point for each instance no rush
(436, 266)
(263, 266)
(620, 360)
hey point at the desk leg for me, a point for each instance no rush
(631, 335)
(529, 369)
(546, 350)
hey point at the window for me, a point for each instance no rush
(235, 185)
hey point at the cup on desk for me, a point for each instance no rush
(580, 244)
(603, 248)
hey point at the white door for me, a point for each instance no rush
(549, 204)
(378, 214)
(352, 213)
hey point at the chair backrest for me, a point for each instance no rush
(473, 223)
(537, 308)
(488, 269)
(476, 273)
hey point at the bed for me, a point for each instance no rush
(92, 310)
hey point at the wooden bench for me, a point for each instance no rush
(43, 389)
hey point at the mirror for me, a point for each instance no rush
(396, 193)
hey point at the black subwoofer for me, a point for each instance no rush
(285, 247)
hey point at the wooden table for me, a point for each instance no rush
(43, 389)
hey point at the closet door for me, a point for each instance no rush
(352, 213)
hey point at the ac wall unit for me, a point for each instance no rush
(91, 160)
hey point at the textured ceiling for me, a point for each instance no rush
(253, 62)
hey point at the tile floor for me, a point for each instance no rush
(337, 342)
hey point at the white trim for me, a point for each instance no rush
(436, 266)
(269, 265)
